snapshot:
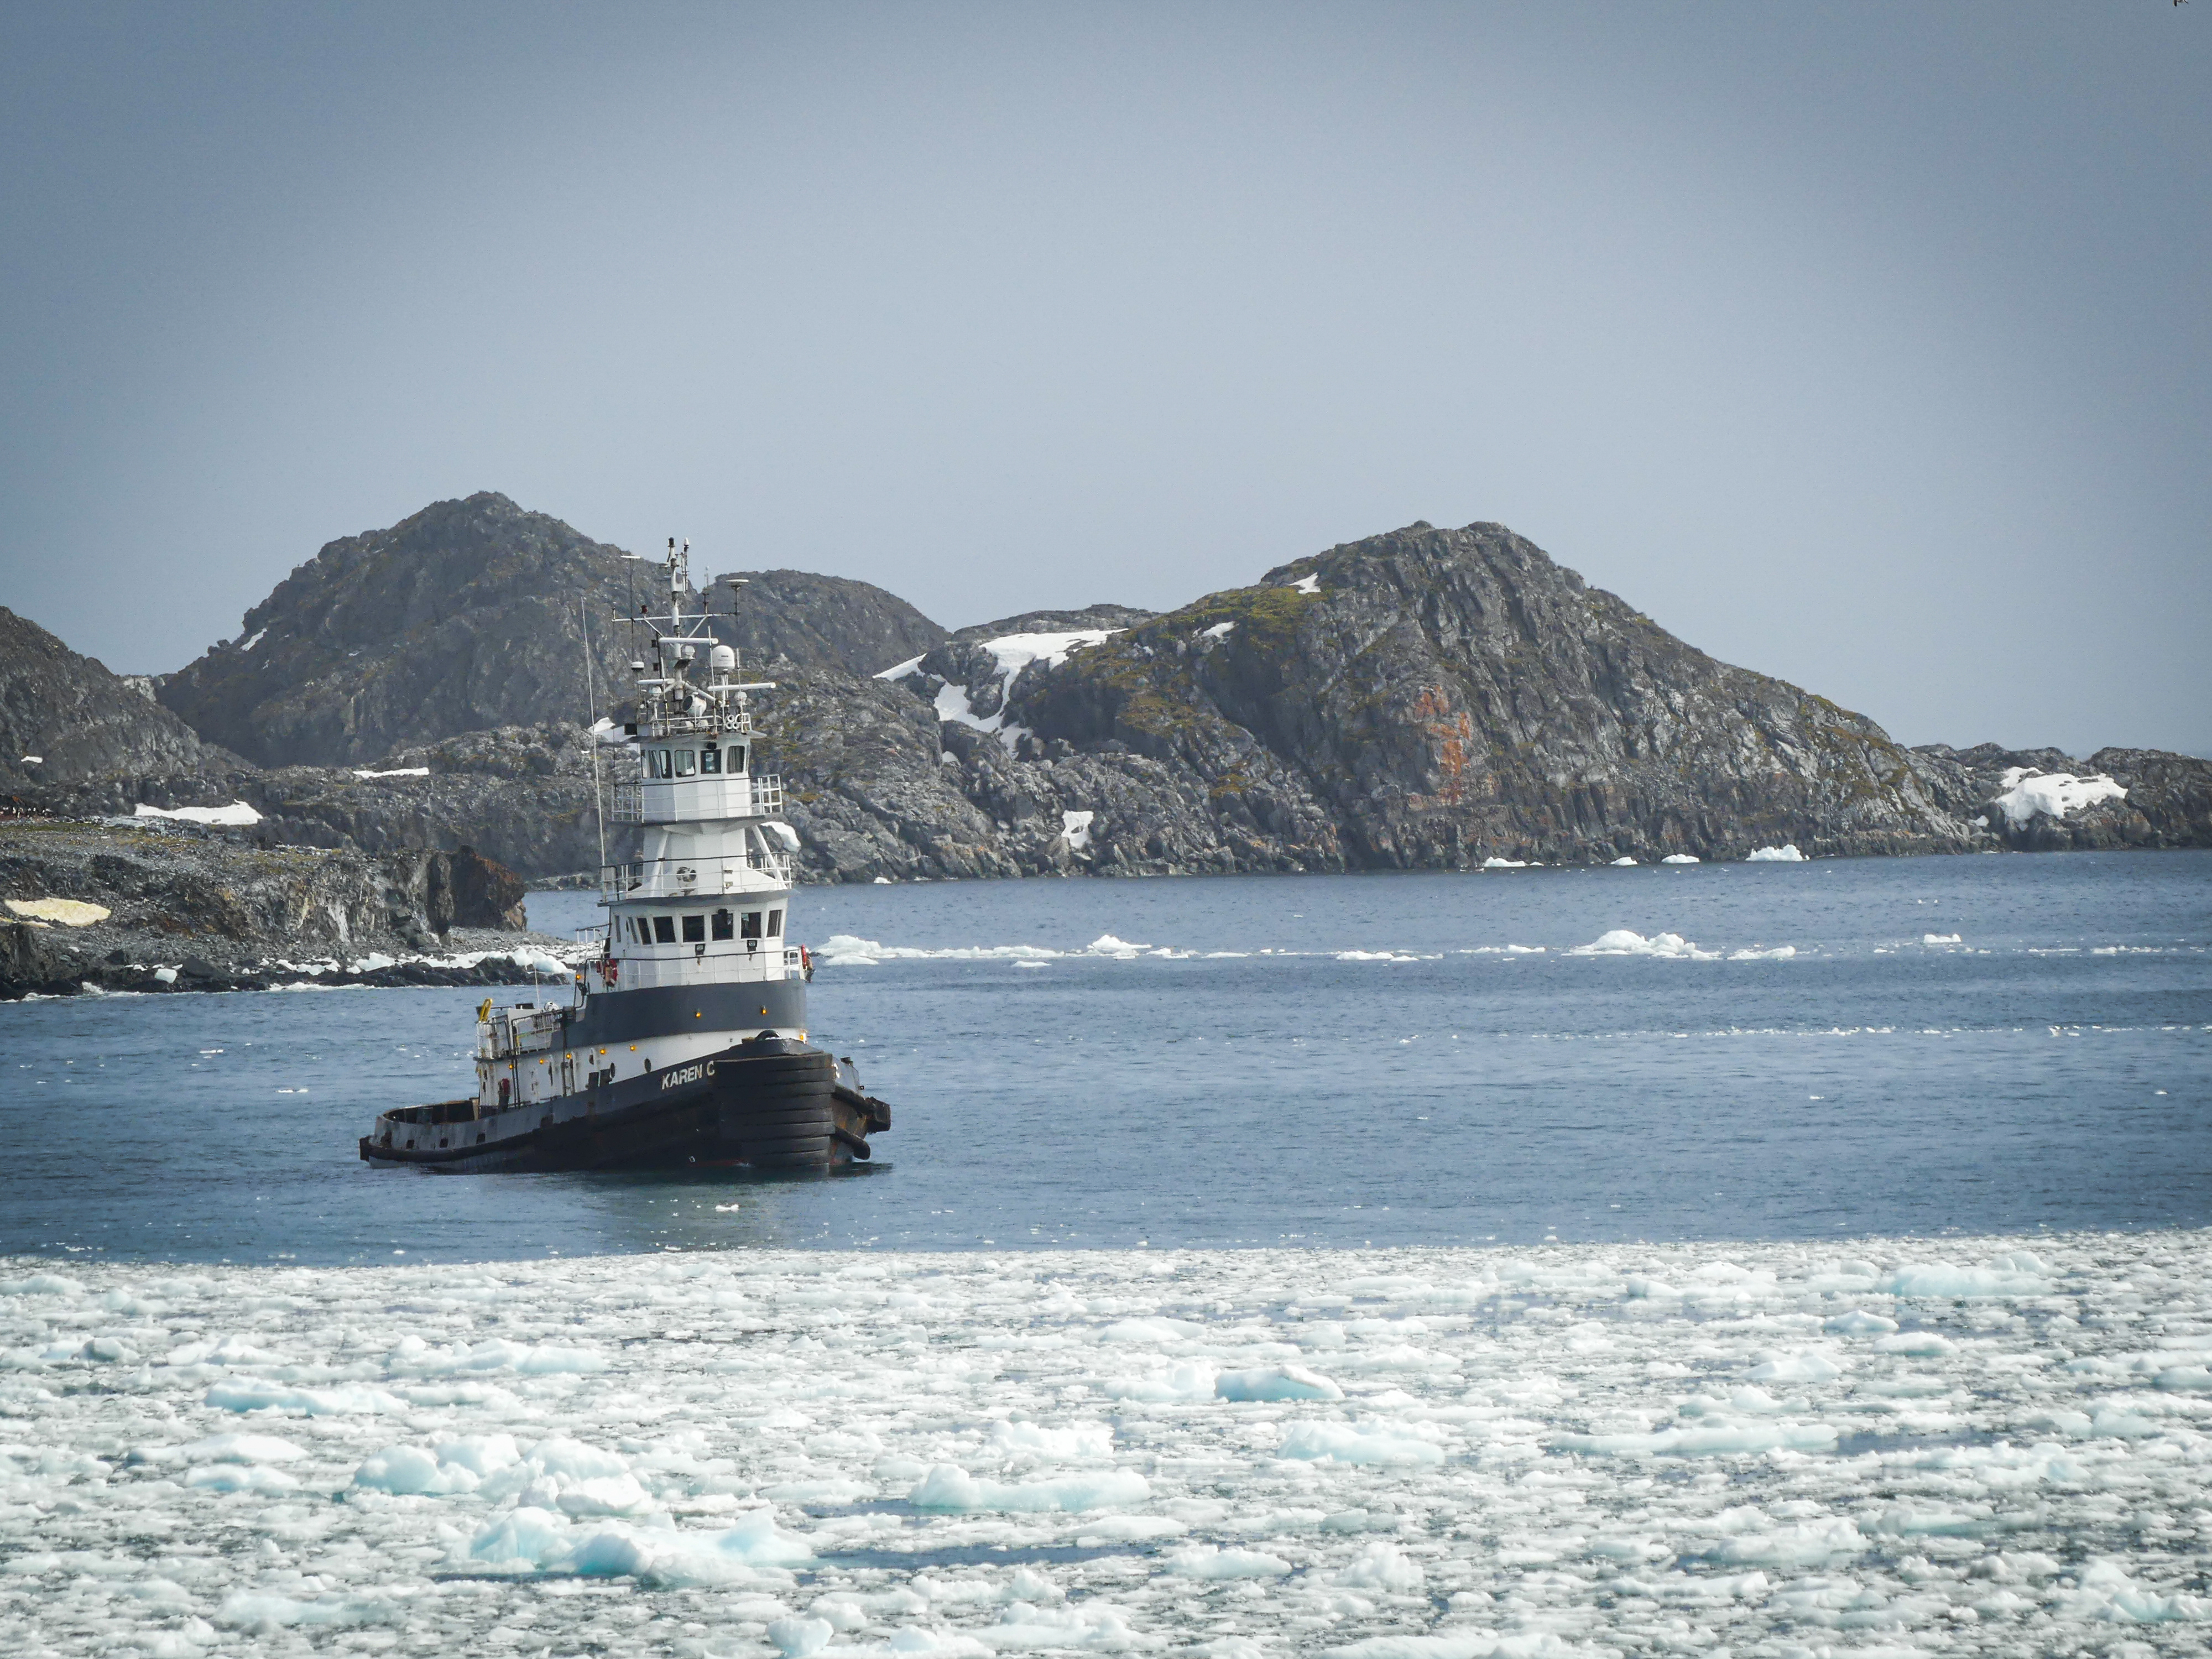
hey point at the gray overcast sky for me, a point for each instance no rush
(1866, 345)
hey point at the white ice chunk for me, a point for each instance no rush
(1679, 858)
(1359, 1442)
(1504, 863)
(1787, 854)
(1621, 942)
(1206, 1561)
(1276, 1382)
(948, 1486)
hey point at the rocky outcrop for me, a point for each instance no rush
(2118, 798)
(468, 616)
(472, 615)
(78, 720)
(1055, 622)
(1430, 699)
(228, 908)
(815, 622)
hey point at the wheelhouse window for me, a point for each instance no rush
(775, 924)
(752, 924)
(661, 764)
(725, 924)
(694, 929)
(687, 762)
(737, 758)
(663, 930)
(710, 761)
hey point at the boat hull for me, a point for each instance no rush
(777, 1105)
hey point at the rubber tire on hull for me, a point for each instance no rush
(781, 1118)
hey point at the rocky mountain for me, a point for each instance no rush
(1057, 622)
(817, 622)
(1427, 699)
(472, 615)
(78, 720)
(1423, 699)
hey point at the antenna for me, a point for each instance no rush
(592, 708)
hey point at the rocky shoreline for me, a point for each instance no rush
(164, 908)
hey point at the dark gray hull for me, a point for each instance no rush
(772, 1104)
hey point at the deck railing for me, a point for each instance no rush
(626, 803)
(674, 878)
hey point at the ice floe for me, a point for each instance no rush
(1621, 942)
(1786, 854)
(1969, 1447)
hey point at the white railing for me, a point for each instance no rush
(673, 878)
(626, 804)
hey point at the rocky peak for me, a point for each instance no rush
(462, 618)
(80, 720)
(818, 621)
(1090, 618)
(1451, 695)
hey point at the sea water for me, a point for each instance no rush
(255, 1399)
(1776, 1051)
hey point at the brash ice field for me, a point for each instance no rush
(1970, 1448)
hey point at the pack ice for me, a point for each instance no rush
(1899, 1447)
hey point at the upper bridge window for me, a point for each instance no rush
(687, 762)
(658, 763)
(775, 924)
(737, 758)
(663, 930)
(710, 761)
(752, 924)
(694, 929)
(724, 924)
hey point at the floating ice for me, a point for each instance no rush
(237, 815)
(1624, 864)
(1360, 1442)
(950, 1487)
(1504, 863)
(1276, 1382)
(1622, 943)
(1556, 1451)
(1788, 854)
(2024, 792)
(1679, 858)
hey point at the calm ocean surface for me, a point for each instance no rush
(1365, 1060)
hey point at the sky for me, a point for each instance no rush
(1867, 345)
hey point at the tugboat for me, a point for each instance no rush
(684, 1044)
